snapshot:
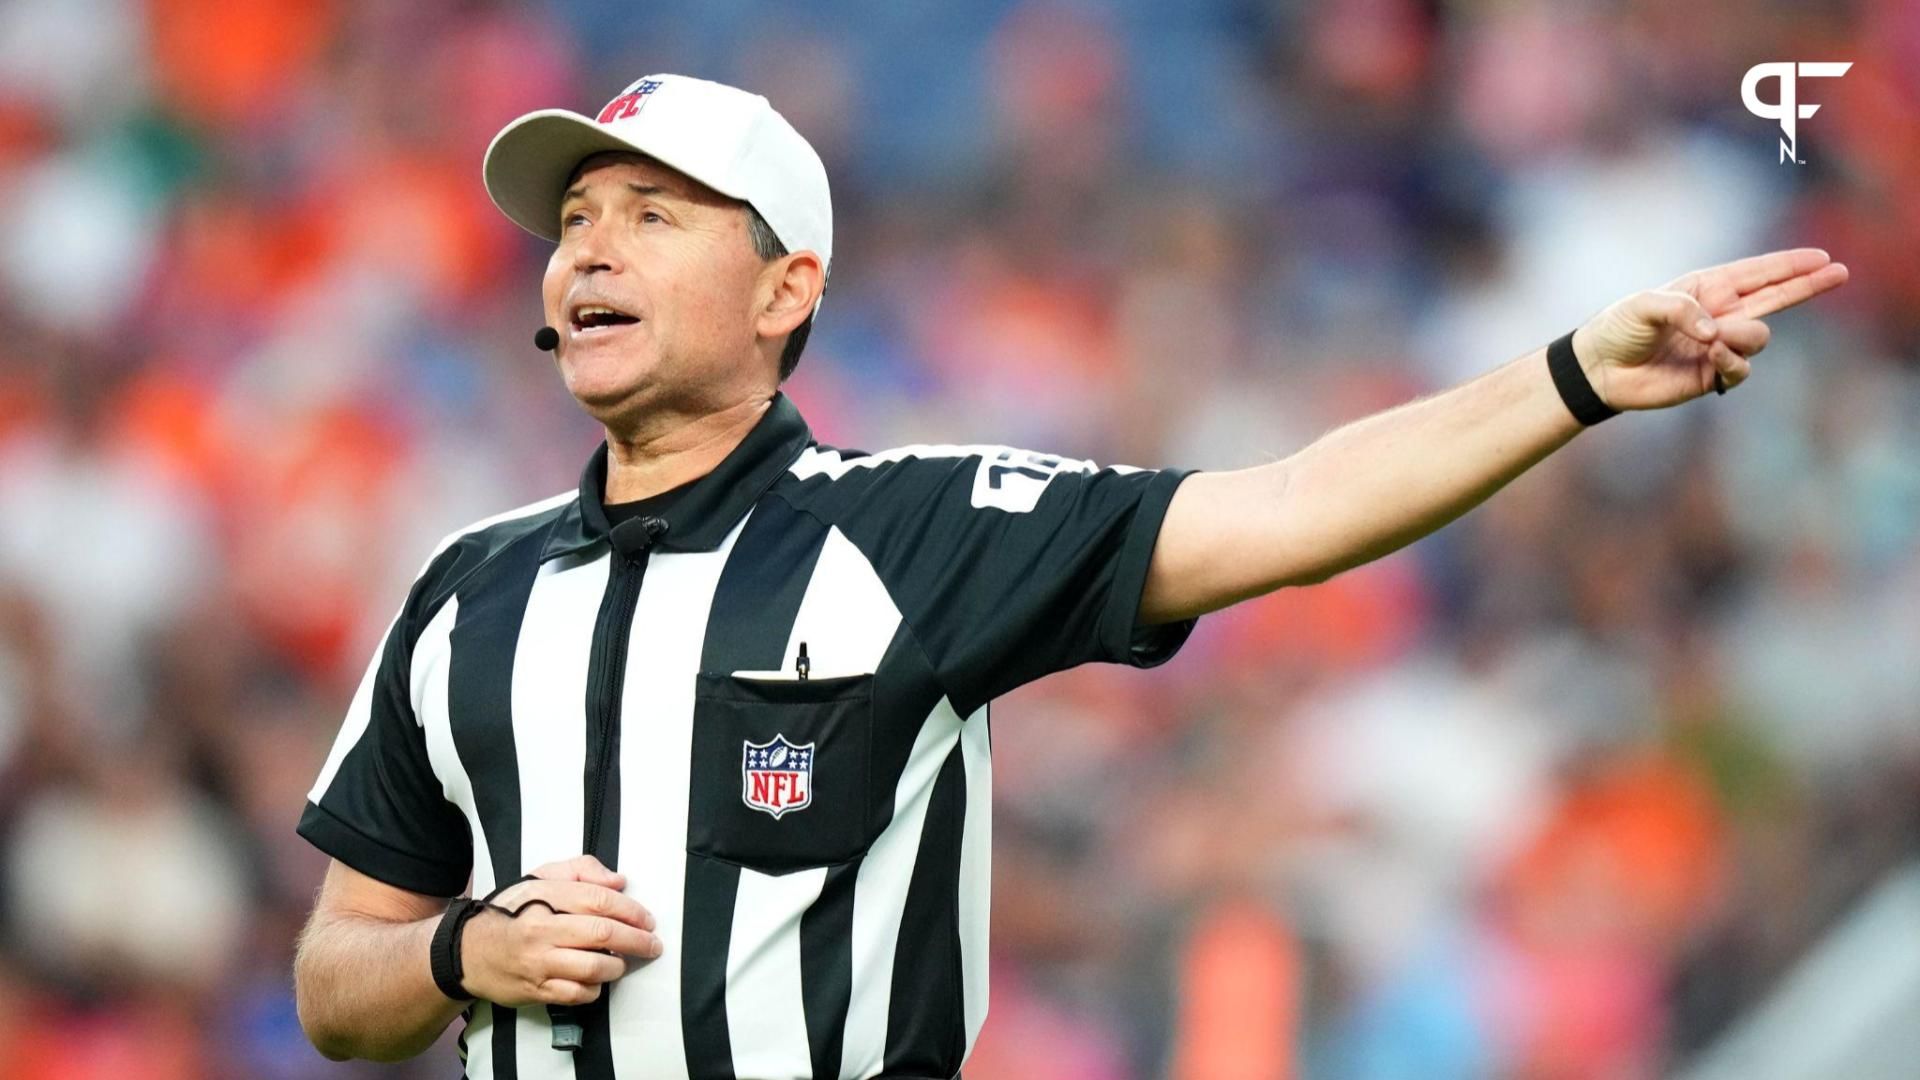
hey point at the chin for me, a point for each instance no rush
(605, 401)
(598, 384)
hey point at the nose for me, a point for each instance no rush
(592, 252)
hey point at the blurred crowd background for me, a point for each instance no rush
(1562, 791)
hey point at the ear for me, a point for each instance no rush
(790, 286)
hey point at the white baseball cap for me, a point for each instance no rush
(728, 139)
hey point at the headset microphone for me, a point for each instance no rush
(546, 339)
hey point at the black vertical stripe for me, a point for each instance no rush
(901, 705)
(612, 640)
(754, 605)
(706, 928)
(926, 1023)
(760, 589)
(826, 967)
(486, 635)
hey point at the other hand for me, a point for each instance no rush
(558, 957)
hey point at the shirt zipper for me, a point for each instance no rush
(610, 637)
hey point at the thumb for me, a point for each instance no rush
(1677, 310)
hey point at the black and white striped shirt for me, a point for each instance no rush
(815, 849)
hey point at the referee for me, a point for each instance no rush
(685, 772)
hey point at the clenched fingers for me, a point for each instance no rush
(1745, 336)
(1660, 307)
(1733, 367)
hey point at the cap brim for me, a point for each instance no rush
(529, 162)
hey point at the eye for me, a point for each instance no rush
(567, 221)
(648, 215)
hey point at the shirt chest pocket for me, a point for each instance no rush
(781, 770)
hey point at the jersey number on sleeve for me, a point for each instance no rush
(1012, 480)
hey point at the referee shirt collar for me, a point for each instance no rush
(712, 505)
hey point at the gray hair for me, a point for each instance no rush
(768, 247)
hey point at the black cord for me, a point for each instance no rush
(444, 959)
(514, 913)
(568, 1033)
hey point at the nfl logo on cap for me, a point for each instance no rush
(776, 776)
(628, 103)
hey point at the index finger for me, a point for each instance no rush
(1722, 289)
(1785, 294)
(584, 898)
(1758, 271)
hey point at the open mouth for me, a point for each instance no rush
(592, 317)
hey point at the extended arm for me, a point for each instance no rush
(1375, 485)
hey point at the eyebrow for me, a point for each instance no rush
(580, 192)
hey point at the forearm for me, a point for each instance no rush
(365, 990)
(1378, 484)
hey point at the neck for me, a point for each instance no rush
(676, 450)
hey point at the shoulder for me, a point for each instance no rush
(462, 551)
(498, 530)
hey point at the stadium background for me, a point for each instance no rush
(1572, 789)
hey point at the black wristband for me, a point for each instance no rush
(448, 971)
(443, 956)
(1575, 390)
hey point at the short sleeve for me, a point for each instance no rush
(1010, 564)
(377, 805)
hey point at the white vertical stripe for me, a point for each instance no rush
(479, 1036)
(880, 895)
(846, 617)
(656, 747)
(976, 852)
(550, 743)
(765, 1014)
(359, 713)
(432, 655)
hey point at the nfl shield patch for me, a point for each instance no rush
(776, 776)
